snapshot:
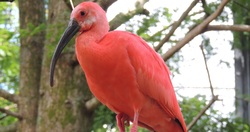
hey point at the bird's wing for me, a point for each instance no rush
(153, 76)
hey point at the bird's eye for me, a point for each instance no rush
(82, 13)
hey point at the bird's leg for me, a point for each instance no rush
(122, 119)
(135, 122)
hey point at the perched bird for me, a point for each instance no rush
(122, 72)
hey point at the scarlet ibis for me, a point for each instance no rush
(122, 71)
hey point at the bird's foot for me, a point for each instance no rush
(122, 120)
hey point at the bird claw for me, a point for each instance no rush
(122, 120)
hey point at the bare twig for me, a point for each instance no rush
(176, 25)
(202, 112)
(10, 113)
(163, 29)
(10, 97)
(208, 74)
(72, 5)
(92, 104)
(196, 31)
(242, 28)
(214, 97)
(170, 25)
(196, 13)
(4, 116)
(68, 4)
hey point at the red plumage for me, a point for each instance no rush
(124, 73)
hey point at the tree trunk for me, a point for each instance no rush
(62, 107)
(32, 15)
(242, 61)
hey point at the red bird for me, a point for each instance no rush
(123, 72)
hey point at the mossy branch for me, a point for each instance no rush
(8, 96)
(92, 104)
(121, 18)
(8, 112)
(105, 3)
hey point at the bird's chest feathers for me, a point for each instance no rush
(104, 64)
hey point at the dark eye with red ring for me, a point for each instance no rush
(82, 13)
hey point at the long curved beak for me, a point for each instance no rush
(71, 30)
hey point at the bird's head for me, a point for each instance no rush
(85, 17)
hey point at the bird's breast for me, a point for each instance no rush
(111, 78)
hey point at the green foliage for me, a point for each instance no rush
(104, 119)
(9, 60)
(9, 50)
(9, 66)
(241, 15)
(5, 120)
(212, 120)
(207, 47)
(4, 12)
(143, 25)
(32, 30)
(211, 8)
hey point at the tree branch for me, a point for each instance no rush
(67, 2)
(6, 0)
(4, 116)
(202, 112)
(176, 25)
(163, 29)
(105, 3)
(92, 104)
(121, 18)
(197, 30)
(9, 128)
(214, 97)
(208, 74)
(10, 97)
(11, 113)
(170, 25)
(241, 28)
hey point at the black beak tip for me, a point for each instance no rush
(51, 76)
(51, 83)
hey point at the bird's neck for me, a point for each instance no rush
(95, 34)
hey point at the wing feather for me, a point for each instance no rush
(153, 77)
